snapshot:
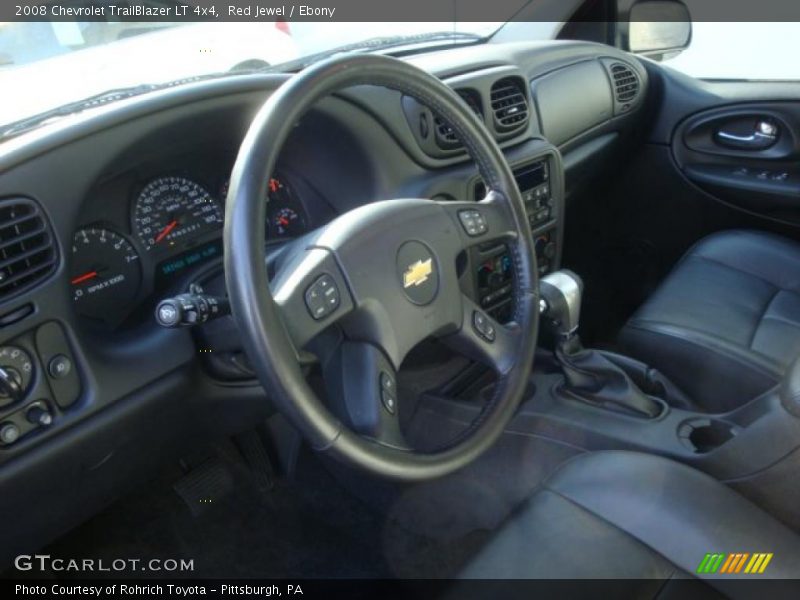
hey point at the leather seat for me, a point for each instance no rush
(725, 324)
(626, 515)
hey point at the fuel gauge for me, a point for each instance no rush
(286, 222)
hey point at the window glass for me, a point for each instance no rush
(741, 51)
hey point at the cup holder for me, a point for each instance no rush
(704, 435)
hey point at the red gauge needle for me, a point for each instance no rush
(166, 230)
(84, 277)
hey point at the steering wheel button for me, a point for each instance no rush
(389, 401)
(322, 297)
(473, 222)
(483, 327)
(387, 382)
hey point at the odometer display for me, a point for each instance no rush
(105, 274)
(171, 211)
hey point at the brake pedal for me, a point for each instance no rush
(255, 455)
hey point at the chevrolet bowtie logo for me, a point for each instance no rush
(418, 273)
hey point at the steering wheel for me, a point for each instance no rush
(386, 275)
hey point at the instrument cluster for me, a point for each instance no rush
(174, 223)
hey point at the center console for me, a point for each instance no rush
(540, 182)
(583, 399)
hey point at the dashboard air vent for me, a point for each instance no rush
(27, 251)
(509, 104)
(626, 84)
(444, 133)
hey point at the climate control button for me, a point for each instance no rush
(9, 433)
(16, 371)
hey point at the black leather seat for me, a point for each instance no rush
(625, 515)
(725, 324)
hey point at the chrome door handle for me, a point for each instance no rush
(764, 136)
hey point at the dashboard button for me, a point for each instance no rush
(38, 414)
(9, 433)
(51, 345)
(59, 366)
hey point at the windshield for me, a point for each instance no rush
(50, 64)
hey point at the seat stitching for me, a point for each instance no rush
(761, 318)
(744, 272)
(783, 320)
(664, 585)
(611, 524)
(650, 326)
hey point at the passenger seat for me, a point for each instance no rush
(725, 324)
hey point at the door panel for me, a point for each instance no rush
(747, 155)
(679, 186)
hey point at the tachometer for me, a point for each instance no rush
(105, 273)
(172, 210)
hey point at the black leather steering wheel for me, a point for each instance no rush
(386, 275)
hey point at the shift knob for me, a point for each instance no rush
(790, 389)
(562, 291)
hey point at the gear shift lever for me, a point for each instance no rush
(562, 292)
(588, 374)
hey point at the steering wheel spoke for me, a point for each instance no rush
(482, 338)
(311, 293)
(362, 390)
(489, 220)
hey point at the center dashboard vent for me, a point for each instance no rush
(509, 104)
(27, 250)
(626, 84)
(445, 136)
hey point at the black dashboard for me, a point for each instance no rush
(130, 199)
(144, 228)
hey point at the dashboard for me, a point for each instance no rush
(104, 214)
(142, 231)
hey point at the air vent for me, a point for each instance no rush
(27, 252)
(509, 104)
(444, 133)
(626, 84)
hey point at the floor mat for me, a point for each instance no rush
(309, 527)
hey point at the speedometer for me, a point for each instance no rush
(171, 211)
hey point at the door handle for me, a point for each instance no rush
(764, 135)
